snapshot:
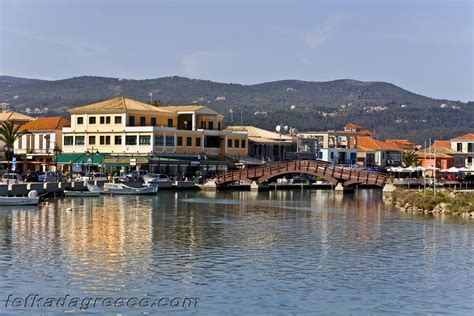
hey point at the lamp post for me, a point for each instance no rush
(57, 151)
(151, 156)
(8, 153)
(89, 163)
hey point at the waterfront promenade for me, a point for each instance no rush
(272, 252)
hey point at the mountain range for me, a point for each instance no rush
(390, 110)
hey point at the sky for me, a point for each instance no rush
(425, 46)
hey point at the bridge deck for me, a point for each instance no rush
(325, 170)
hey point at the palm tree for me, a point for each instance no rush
(410, 158)
(9, 133)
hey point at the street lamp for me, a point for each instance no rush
(57, 151)
(8, 153)
(151, 156)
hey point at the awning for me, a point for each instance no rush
(82, 158)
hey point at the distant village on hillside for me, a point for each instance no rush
(122, 132)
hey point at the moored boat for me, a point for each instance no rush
(80, 193)
(15, 201)
(120, 188)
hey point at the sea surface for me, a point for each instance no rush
(241, 253)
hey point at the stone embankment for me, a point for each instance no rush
(437, 202)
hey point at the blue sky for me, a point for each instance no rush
(424, 46)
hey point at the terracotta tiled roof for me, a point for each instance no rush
(442, 144)
(365, 132)
(404, 144)
(365, 143)
(118, 104)
(179, 108)
(468, 136)
(14, 116)
(352, 125)
(255, 132)
(46, 124)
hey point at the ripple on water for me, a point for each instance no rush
(268, 252)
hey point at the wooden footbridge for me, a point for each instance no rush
(334, 174)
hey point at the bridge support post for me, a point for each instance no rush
(209, 185)
(388, 188)
(254, 186)
(342, 188)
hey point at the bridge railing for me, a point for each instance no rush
(317, 167)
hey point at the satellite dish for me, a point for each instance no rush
(278, 128)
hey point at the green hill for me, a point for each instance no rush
(391, 110)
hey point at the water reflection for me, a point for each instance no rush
(273, 252)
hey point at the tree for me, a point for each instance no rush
(9, 133)
(410, 158)
(156, 103)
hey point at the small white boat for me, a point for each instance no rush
(81, 193)
(14, 201)
(122, 189)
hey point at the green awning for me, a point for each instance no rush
(82, 158)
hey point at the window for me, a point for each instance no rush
(202, 124)
(80, 120)
(159, 140)
(144, 140)
(169, 141)
(102, 140)
(236, 143)
(353, 156)
(242, 143)
(153, 121)
(211, 125)
(189, 141)
(229, 143)
(80, 140)
(459, 146)
(102, 120)
(118, 139)
(118, 120)
(107, 120)
(130, 140)
(131, 121)
(142, 121)
(68, 140)
(469, 160)
(180, 141)
(198, 142)
(219, 125)
(170, 122)
(470, 147)
(91, 140)
(91, 119)
(107, 140)
(332, 155)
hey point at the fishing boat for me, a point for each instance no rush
(81, 193)
(122, 189)
(16, 201)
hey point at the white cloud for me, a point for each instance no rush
(319, 35)
(79, 48)
(197, 63)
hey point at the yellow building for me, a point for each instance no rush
(125, 127)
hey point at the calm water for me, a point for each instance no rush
(240, 253)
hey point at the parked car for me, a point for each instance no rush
(11, 178)
(150, 178)
(96, 176)
(54, 177)
(41, 176)
(138, 175)
(31, 177)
